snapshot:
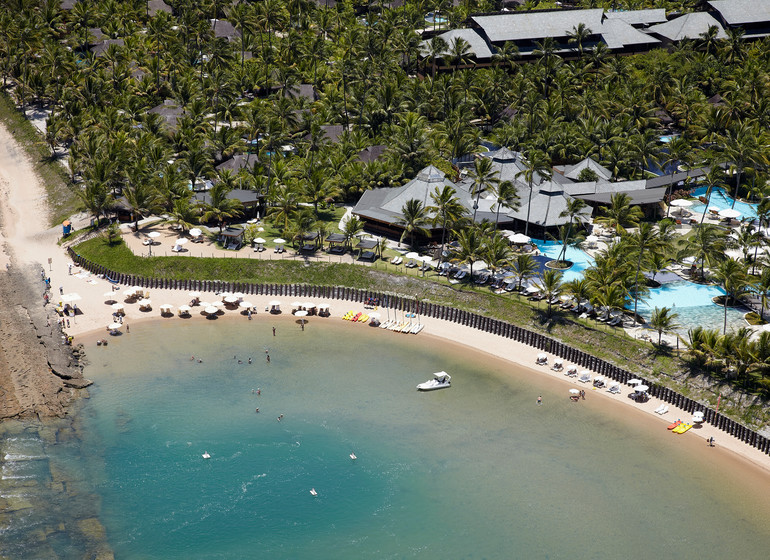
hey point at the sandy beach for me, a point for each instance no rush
(31, 246)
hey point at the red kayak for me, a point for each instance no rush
(674, 425)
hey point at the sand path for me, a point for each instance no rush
(31, 241)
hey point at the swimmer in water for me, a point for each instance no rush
(256, 410)
(249, 360)
(280, 417)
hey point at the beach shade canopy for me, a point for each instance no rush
(145, 303)
(130, 292)
(519, 238)
(681, 203)
(296, 304)
(558, 361)
(542, 356)
(308, 305)
(729, 213)
(166, 307)
(195, 232)
(230, 299)
(532, 289)
(592, 238)
(211, 310)
(245, 304)
(425, 258)
(153, 234)
(323, 306)
(117, 306)
(194, 294)
(374, 315)
(716, 209)
(574, 391)
(275, 303)
(259, 240)
(204, 304)
(184, 308)
(301, 313)
(279, 241)
(239, 295)
(634, 381)
(642, 388)
(411, 255)
(69, 298)
(114, 326)
(181, 241)
(217, 304)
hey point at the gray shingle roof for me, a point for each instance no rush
(737, 12)
(225, 29)
(644, 196)
(238, 162)
(478, 45)
(687, 26)
(619, 34)
(639, 17)
(573, 171)
(154, 6)
(537, 25)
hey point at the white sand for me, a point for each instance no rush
(30, 240)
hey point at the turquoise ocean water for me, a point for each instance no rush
(475, 471)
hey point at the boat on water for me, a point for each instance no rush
(353, 456)
(313, 492)
(441, 380)
(206, 455)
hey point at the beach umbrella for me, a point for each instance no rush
(181, 241)
(520, 238)
(109, 296)
(323, 306)
(592, 238)
(114, 326)
(275, 303)
(130, 292)
(375, 315)
(296, 304)
(117, 306)
(245, 304)
(542, 356)
(279, 241)
(532, 289)
(574, 391)
(239, 295)
(642, 388)
(217, 304)
(211, 310)
(153, 234)
(729, 213)
(166, 307)
(194, 294)
(145, 303)
(204, 304)
(716, 209)
(195, 232)
(231, 299)
(635, 382)
(681, 203)
(301, 313)
(308, 305)
(184, 308)
(259, 240)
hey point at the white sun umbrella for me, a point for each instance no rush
(239, 295)
(153, 234)
(542, 356)
(308, 305)
(217, 304)
(642, 388)
(231, 299)
(109, 296)
(145, 303)
(204, 304)
(114, 326)
(729, 213)
(259, 240)
(520, 238)
(166, 307)
(592, 238)
(195, 232)
(194, 294)
(184, 308)
(716, 209)
(574, 391)
(681, 203)
(245, 304)
(301, 313)
(375, 315)
(279, 241)
(181, 241)
(211, 310)
(296, 304)
(129, 292)
(634, 381)
(275, 303)
(411, 255)
(323, 306)
(117, 306)
(532, 289)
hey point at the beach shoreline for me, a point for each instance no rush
(33, 245)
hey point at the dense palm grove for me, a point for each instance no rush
(371, 75)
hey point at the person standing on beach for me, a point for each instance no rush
(540, 399)
(273, 331)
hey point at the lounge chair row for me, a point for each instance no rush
(662, 409)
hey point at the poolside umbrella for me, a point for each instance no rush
(279, 241)
(211, 310)
(239, 295)
(308, 305)
(635, 382)
(114, 326)
(411, 255)
(542, 356)
(195, 232)
(109, 296)
(574, 391)
(520, 238)
(181, 241)
(259, 240)
(130, 292)
(217, 304)
(715, 209)
(681, 203)
(729, 213)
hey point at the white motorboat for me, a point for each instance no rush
(206, 455)
(440, 380)
(313, 492)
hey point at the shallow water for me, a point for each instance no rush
(475, 471)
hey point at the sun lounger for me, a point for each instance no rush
(660, 408)
(584, 378)
(571, 371)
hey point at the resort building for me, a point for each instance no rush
(753, 16)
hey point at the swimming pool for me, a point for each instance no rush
(692, 302)
(720, 199)
(432, 17)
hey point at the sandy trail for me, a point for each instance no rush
(32, 243)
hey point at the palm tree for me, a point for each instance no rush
(550, 285)
(573, 211)
(497, 252)
(470, 245)
(663, 320)
(283, 205)
(524, 266)
(96, 198)
(413, 218)
(221, 208)
(676, 150)
(142, 199)
(484, 177)
(447, 210)
(580, 289)
(715, 178)
(506, 195)
(741, 147)
(184, 213)
(735, 281)
(639, 244)
(352, 227)
(578, 36)
(707, 245)
(537, 166)
(611, 297)
(762, 287)
(620, 214)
